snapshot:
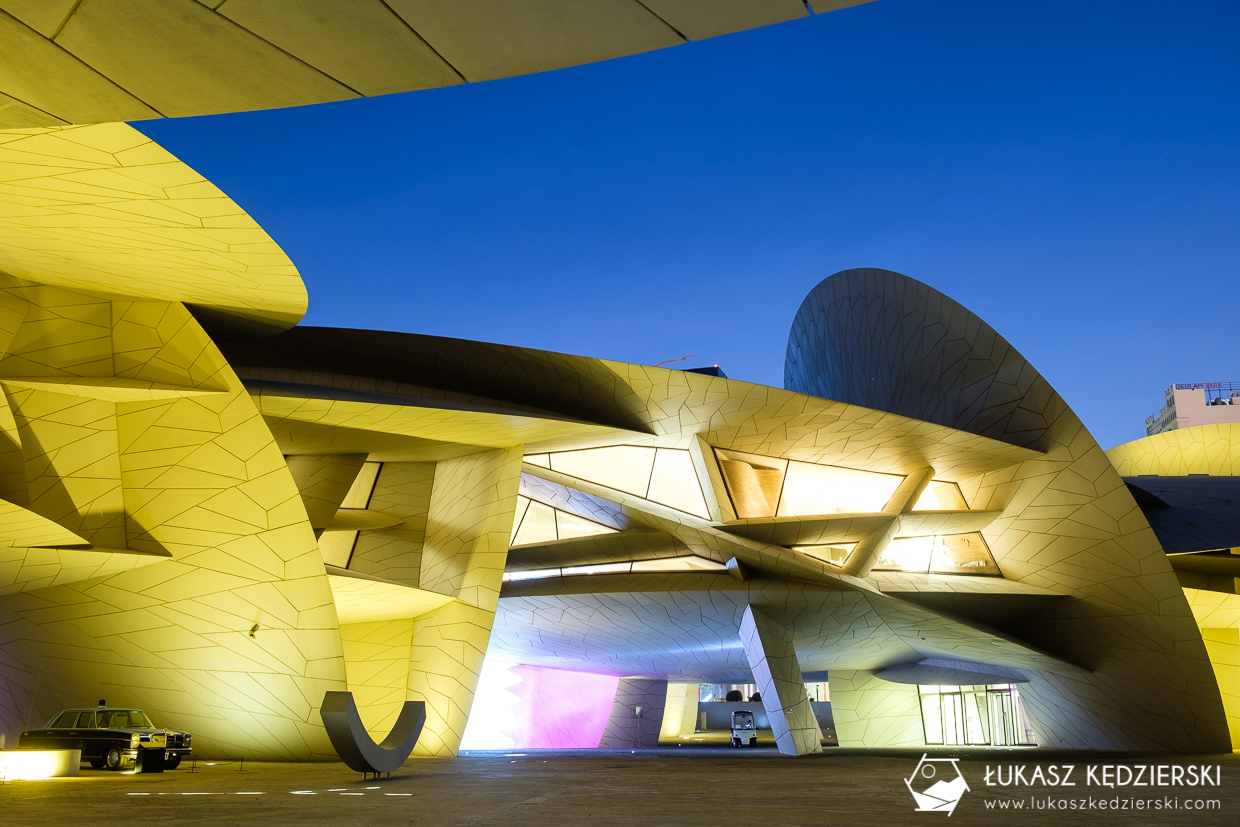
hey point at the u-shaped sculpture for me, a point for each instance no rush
(355, 746)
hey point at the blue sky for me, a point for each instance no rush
(1067, 170)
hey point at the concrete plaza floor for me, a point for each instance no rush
(690, 785)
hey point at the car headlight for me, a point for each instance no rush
(133, 742)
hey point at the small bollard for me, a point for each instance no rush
(149, 760)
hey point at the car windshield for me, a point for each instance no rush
(122, 718)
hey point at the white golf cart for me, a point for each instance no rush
(744, 732)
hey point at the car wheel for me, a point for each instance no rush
(172, 762)
(753, 742)
(112, 757)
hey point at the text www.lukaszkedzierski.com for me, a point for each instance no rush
(1051, 803)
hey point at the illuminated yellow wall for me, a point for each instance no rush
(126, 428)
(1224, 648)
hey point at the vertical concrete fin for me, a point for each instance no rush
(773, 661)
(680, 711)
(636, 715)
(473, 499)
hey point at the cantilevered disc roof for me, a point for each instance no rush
(106, 210)
(87, 61)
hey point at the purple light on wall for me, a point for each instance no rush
(556, 709)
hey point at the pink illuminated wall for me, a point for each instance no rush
(533, 707)
(561, 710)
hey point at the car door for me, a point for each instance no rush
(57, 735)
(89, 737)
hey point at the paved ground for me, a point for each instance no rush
(691, 785)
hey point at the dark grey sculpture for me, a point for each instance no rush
(355, 746)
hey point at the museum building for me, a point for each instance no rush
(217, 515)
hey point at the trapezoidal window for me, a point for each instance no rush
(941, 496)
(337, 546)
(754, 482)
(948, 554)
(768, 487)
(835, 553)
(662, 475)
(537, 522)
(688, 563)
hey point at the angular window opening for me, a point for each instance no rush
(337, 547)
(768, 487)
(948, 554)
(941, 496)
(537, 522)
(661, 565)
(622, 467)
(754, 482)
(810, 490)
(662, 475)
(836, 554)
(963, 554)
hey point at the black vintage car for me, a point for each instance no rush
(108, 738)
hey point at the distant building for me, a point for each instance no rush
(1196, 403)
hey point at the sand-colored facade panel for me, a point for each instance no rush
(697, 20)
(364, 46)
(1202, 449)
(136, 43)
(871, 712)
(487, 39)
(76, 211)
(105, 619)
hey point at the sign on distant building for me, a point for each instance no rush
(1196, 403)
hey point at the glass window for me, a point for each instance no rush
(65, 720)
(138, 718)
(835, 554)
(570, 525)
(975, 717)
(363, 486)
(932, 718)
(517, 517)
(963, 554)
(337, 547)
(675, 483)
(538, 522)
(622, 467)
(753, 482)
(687, 563)
(819, 691)
(538, 525)
(86, 720)
(664, 564)
(825, 489)
(991, 715)
(907, 554)
(602, 568)
(941, 496)
(948, 554)
(533, 574)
